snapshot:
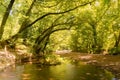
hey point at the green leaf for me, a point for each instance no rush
(106, 2)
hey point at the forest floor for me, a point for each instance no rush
(109, 62)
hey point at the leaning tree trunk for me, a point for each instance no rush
(41, 41)
(5, 17)
(23, 25)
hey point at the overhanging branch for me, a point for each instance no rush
(55, 13)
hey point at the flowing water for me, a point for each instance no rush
(66, 71)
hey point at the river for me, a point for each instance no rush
(65, 71)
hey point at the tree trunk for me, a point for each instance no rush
(5, 17)
(117, 41)
(25, 22)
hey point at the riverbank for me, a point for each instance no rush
(6, 59)
(109, 62)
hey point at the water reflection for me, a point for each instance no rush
(66, 71)
(11, 73)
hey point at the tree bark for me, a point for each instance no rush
(117, 41)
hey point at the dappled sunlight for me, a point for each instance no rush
(59, 39)
(26, 76)
(6, 58)
(65, 71)
(85, 57)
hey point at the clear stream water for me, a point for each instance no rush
(66, 71)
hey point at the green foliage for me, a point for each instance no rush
(114, 51)
(107, 1)
(59, 41)
(90, 27)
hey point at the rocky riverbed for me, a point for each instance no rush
(109, 62)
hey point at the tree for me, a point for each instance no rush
(29, 17)
(5, 17)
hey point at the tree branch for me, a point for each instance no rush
(56, 13)
(27, 14)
